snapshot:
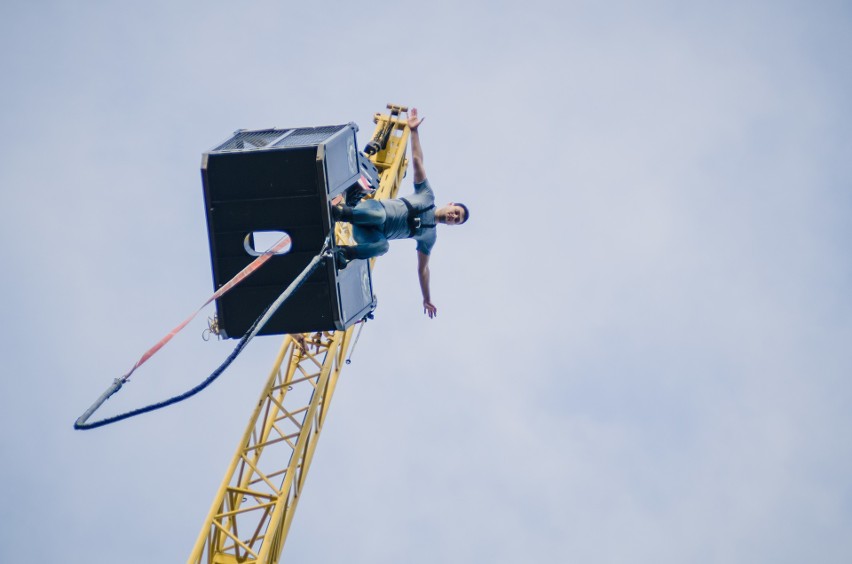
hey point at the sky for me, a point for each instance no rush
(639, 351)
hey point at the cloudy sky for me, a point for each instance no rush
(642, 347)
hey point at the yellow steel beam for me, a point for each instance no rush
(251, 514)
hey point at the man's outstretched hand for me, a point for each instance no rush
(414, 120)
(429, 309)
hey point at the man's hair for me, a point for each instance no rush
(466, 212)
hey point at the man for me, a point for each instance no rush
(374, 222)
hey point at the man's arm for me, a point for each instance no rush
(414, 122)
(423, 273)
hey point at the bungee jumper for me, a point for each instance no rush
(375, 222)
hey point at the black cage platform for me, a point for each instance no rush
(276, 180)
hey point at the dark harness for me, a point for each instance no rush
(414, 222)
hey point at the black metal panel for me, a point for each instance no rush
(309, 309)
(264, 174)
(283, 180)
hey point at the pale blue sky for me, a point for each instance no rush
(642, 349)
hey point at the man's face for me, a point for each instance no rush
(455, 214)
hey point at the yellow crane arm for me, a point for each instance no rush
(252, 511)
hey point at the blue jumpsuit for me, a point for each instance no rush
(375, 222)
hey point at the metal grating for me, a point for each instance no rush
(309, 136)
(245, 140)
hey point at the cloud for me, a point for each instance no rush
(640, 352)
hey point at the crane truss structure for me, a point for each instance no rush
(251, 514)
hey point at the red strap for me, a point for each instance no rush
(242, 275)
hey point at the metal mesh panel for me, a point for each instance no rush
(309, 136)
(251, 140)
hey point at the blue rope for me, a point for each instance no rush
(171, 401)
(81, 424)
